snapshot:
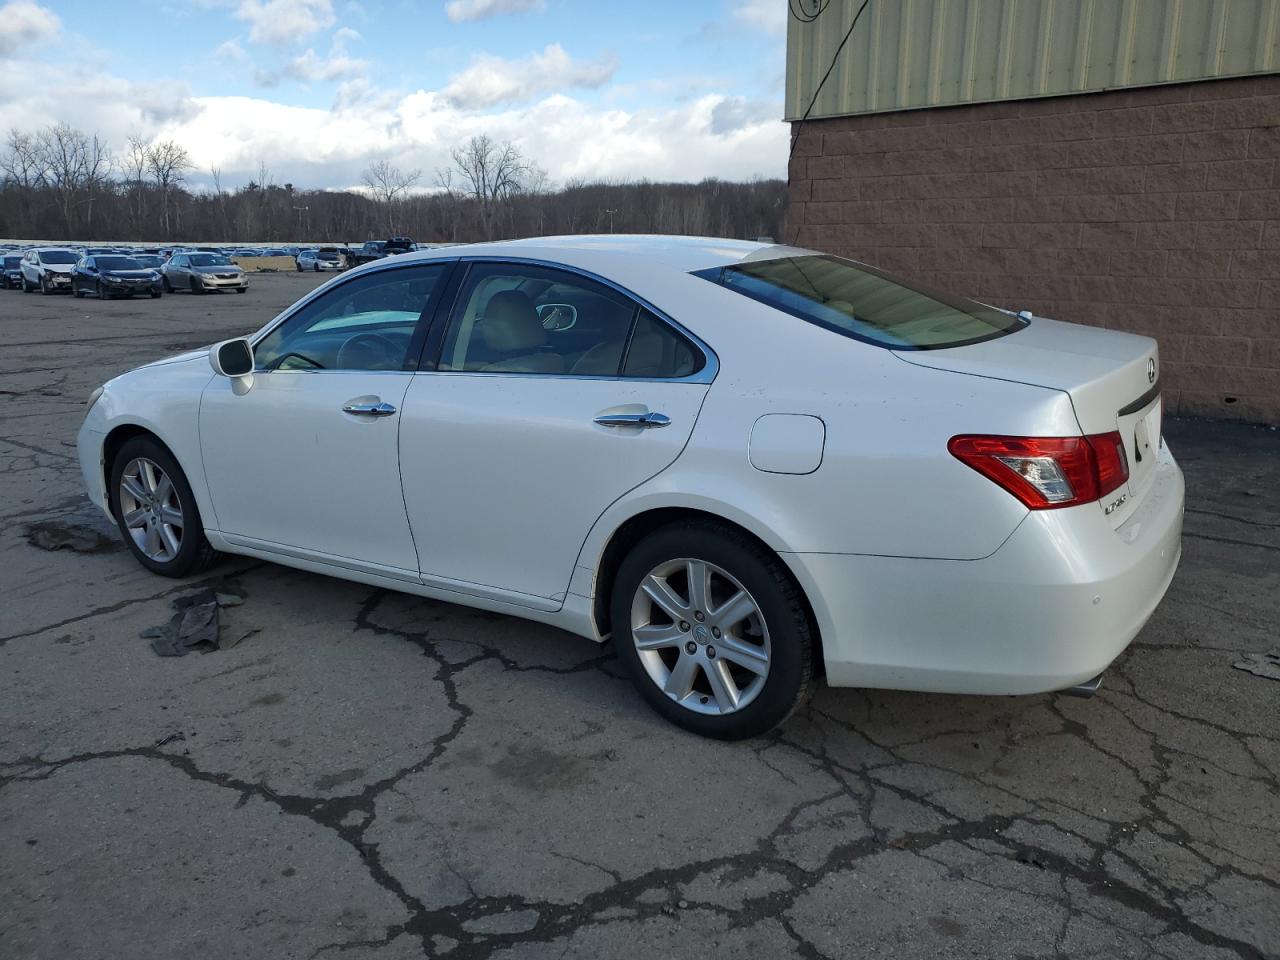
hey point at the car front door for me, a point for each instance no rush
(305, 462)
(549, 397)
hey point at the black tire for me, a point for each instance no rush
(242, 289)
(164, 282)
(780, 605)
(316, 268)
(45, 289)
(102, 292)
(26, 286)
(155, 294)
(196, 288)
(194, 553)
(77, 292)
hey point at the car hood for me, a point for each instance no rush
(58, 267)
(180, 358)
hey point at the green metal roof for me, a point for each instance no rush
(924, 53)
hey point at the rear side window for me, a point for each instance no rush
(860, 302)
(658, 352)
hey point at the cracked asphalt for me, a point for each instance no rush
(374, 775)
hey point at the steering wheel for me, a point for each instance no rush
(278, 362)
(347, 352)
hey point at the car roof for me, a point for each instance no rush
(597, 252)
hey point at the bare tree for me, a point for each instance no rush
(389, 184)
(134, 167)
(490, 174)
(98, 162)
(64, 152)
(168, 164)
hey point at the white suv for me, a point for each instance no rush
(48, 269)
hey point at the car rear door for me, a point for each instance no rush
(514, 441)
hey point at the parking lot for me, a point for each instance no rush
(367, 774)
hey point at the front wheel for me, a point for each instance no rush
(712, 629)
(45, 289)
(102, 292)
(242, 289)
(168, 287)
(155, 294)
(196, 286)
(156, 510)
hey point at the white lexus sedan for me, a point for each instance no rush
(748, 464)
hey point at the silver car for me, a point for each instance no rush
(203, 272)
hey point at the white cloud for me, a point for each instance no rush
(767, 15)
(281, 22)
(23, 22)
(229, 51)
(490, 81)
(318, 146)
(460, 10)
(310, 67)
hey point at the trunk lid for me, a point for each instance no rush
(1112, 379)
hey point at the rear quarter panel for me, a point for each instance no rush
(887, 484)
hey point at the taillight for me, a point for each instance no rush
(1048, 472)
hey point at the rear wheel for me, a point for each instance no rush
(156, 510)
(712, 629)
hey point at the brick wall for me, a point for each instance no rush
(1153, 210)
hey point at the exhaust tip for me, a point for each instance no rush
(1084, 690)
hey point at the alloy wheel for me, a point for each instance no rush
(700, 636)
(151, 510)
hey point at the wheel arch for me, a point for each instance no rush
(115, 440)
(640, 524)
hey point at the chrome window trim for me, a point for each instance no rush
(706, 375)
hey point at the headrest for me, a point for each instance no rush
(511, 323)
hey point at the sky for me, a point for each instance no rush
(315, 90)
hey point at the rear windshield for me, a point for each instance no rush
(859, 301)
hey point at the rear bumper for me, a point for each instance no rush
(1060, 599)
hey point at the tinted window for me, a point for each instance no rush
(363, 324)
(518, 318)
(57, 256)
(117, 263)
(12, 262)
(861, 302)
(658, 351)
(209, 260)
(149, 262)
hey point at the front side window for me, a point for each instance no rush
(524, 318)
(365, 323)
(863, 303)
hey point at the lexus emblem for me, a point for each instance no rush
(1151, 370)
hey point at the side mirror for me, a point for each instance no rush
(232, 358)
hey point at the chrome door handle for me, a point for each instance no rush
(645, 420)
(379, 409)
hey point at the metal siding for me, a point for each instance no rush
(921, 53)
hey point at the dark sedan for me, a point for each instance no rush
(12, 268)
(113, 275)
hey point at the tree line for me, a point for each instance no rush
(60, 183)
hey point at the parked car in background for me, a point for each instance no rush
(48, 269)
(326, 258)
(372, 250)
(203, 272)
(12, 270)
(152, 261)
(928, 493)
(111, 275)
